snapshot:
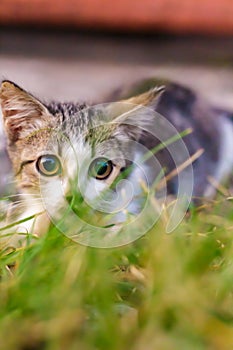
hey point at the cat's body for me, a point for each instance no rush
(57, 150)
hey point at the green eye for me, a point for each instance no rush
(101, 168)
(48, 165)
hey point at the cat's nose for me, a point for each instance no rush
(74, 198)
(70, 198)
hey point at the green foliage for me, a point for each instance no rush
(162, 292)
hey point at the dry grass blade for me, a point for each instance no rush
(162, 183)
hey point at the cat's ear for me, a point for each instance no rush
(22, 113)
(149, 98)
(132, 115)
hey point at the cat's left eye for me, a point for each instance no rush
(49, 165)
(101, 168)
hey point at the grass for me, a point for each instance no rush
(161, 292)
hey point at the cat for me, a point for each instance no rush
(63, 151)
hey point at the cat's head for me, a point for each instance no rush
(77, 147)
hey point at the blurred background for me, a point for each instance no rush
(80, 50)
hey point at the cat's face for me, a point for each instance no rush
(67, 150)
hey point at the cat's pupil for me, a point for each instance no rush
(101, 168)
(49, 164)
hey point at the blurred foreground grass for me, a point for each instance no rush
(162, 292)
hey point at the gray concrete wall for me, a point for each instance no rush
(73, 66)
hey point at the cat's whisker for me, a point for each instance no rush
(21, 195)
(22, 200)
(11, 182)
(25, 203)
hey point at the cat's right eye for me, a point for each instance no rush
(48, 165)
